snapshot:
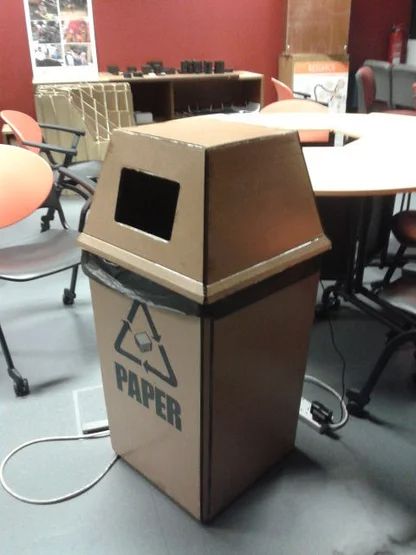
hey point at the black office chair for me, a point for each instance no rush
(25, 181)
(399, 299)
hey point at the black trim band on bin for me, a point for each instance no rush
(142, 289)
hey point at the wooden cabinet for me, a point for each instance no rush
(172, 96)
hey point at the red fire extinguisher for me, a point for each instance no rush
(397, 44)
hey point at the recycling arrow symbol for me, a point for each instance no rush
(144, 344)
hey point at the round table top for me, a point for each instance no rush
(379, 162)
(363, 168)
(25, 182)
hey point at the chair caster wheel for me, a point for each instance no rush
(68, 297)
(44, 224)
(355, 409)
(376, 286)
(356, 403)
(21, 388)
(335, 303)
(327, 304)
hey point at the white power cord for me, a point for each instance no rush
(77, 492)
(344, 410)
(68, 496)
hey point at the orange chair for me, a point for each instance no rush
(283, 91)
(307, 136)
(28, 134)
(25, 182)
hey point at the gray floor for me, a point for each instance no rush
(355, 495)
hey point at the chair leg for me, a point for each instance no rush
(50, 216)
(46, 219)
(69, 294)
(358, 399)
(21, 385)
(53, 204)
(395, 263)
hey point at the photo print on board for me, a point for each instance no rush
(78, 54)
(43, 9)
(47, 55)
(61, 40)
(46, 31)
(76, 30)
(73, 9)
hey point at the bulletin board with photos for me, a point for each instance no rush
(61, 40)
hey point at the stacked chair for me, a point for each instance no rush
(370, 99)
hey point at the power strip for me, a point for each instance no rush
(306, 416)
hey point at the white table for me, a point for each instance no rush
(381, 161)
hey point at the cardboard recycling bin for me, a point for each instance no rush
(202, 248)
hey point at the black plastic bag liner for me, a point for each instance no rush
(136, 287)
(144, 290)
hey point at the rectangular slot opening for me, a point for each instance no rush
(147, 202)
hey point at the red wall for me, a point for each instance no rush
(15, 66)
(370, 26)
(246, 34)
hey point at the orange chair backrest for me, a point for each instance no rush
(306, 136)
(283, 91)
(24, 128)
(366, 88)
(25, 182)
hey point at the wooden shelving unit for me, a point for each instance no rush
(170, 96)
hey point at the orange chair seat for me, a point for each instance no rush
(306, 136)
(310, 136)
(25, 182)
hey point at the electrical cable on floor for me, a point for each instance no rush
(68, 496)
(318, 412)
(344, 411)
(341, 356)
(337, 350)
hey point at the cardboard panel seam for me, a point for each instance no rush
(196, 290)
